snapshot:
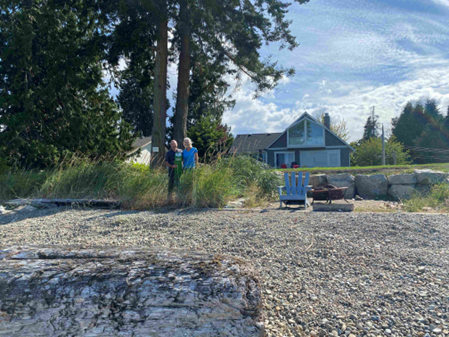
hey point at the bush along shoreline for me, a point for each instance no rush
(139, 187)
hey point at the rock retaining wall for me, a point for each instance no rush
(122, 292)
(399, 186)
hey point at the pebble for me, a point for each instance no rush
(345, 274)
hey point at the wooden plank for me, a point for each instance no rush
(300, 185)
(306, 182)
(287, 184)
(319, 207)
(293, 181)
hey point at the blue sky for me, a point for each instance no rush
(353, 55)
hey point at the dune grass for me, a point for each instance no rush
(139, 187)
(437, 199)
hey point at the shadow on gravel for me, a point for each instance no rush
(17, 215)
(23, 213)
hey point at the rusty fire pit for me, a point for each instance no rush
(329, 192)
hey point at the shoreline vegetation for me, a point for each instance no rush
(138, 187)
(213, 185)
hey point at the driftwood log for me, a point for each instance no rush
(71, 291)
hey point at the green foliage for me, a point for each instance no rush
(249, 171)
(437, 198)
(4, 167)
(432, 138)
(139, 187)
(52, 99)
(369, 153)
(423, 130)
(136, 101)
(371, 128)
(21, 183)
(210, 137)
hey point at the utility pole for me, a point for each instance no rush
(394, 157)
(383, 145)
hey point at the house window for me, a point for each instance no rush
(286, 158)
(305, 134)
(325, 158)
(296, 134)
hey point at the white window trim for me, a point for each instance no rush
(280, 152)
(305, 134)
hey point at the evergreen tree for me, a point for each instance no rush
(431, 110)
(52, 99)
(237, 31)
(446, 120)
(210, 137)
(431, 139)
(136, 101)
(371, 128)
(410, 124)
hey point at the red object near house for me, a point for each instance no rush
(284, 166)
(295, 166)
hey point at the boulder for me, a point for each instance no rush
(317, 180)
(402, 179)
(370, 187)
(430, 177)
(423, 189)
(343, 180)
(401, 192)
(55, 291)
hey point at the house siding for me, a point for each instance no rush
(331, 140)
(344, 155)
(270, 158)
(281, 142)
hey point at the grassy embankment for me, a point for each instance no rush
(138, 187)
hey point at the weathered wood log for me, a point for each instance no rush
(70, 291)
(108, 204)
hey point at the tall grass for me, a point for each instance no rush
(437, 198)
(138, 187)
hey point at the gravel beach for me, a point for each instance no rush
(323, 274)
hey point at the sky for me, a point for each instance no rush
(353, 55)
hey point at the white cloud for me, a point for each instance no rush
(254, 116)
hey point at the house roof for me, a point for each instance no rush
(309, 116)
(251, 143)
(141, 142)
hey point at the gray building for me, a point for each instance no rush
(306, 143)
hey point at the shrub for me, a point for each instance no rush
(437, 198)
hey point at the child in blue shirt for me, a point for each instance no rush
(189, 155)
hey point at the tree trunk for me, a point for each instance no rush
(182, 98)
(160, 95)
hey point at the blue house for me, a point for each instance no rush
(306, 142)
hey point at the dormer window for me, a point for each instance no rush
(306, 134)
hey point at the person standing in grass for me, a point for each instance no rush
(189, 155)
(170, 163)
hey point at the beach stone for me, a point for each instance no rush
(402, 179)
(317, 180)
(126, 291)
(430, 177)
(370, 187)
(343, 180)
(401, 192)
